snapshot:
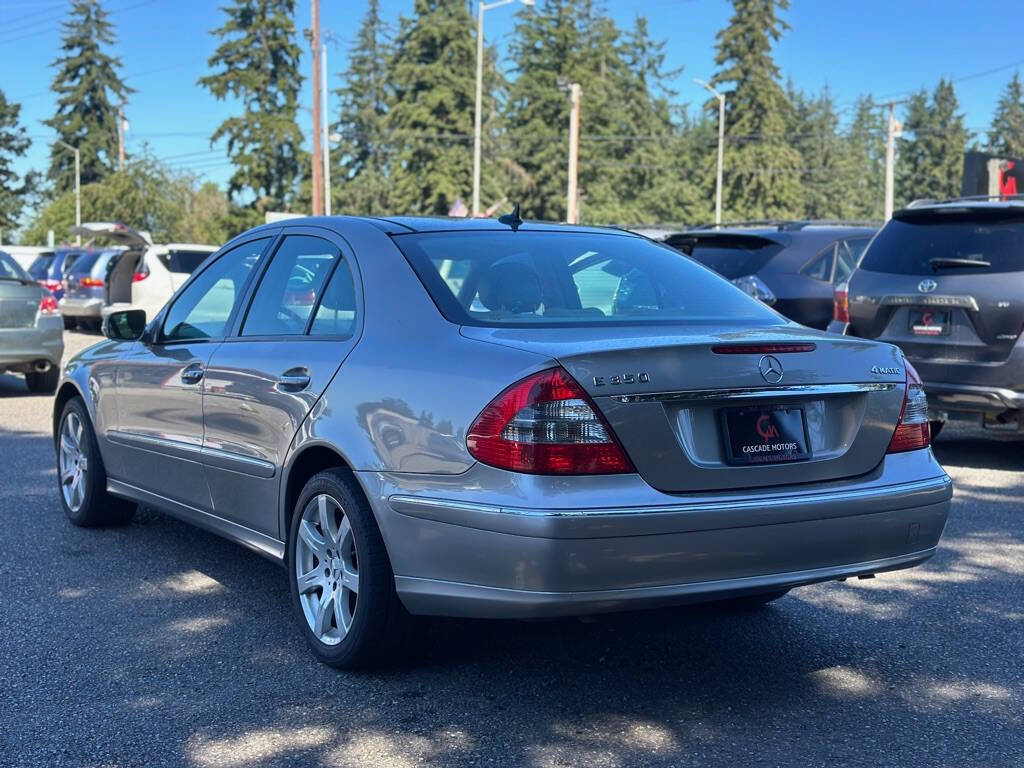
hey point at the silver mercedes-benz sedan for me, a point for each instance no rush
(498, 419)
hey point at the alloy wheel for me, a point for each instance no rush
(74, 464)
(326, 569)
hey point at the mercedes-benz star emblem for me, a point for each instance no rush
(927, 286)
(770, 368)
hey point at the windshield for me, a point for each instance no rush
(524, 279)
(731, 256)
(923, 245)
(9, 269)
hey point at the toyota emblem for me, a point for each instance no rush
(927, 286)
(770, 368)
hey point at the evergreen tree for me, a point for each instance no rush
(864, 187)
(14, 143)
(1006, 136)
(828, 168)
(258, 63)
(430, 119)
(361, 171)
(762, 171)
(931, 158)
(88, 89)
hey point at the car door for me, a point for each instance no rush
(300, 324)
(160, 383)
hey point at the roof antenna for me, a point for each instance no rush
(512, 219)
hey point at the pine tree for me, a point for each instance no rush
(258, 63)
(361, 171)
(931, 159)
(430, 119)
(762, 172)
(14, 143)
(828, 169)
(88, 89)
(1006, 136)
(865, 186)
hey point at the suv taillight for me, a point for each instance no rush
(90, 282)
(48, 305)
(546, 424)
(912, 430)
(841, 303)
(141, 273)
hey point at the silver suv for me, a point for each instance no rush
(945, 282)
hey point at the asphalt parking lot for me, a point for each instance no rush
(158, 644)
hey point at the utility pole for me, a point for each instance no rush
(572, 214)
(314, 41)
(721, 147)
(78, 190)
(325, 134)
(895, 128)
(120, 137)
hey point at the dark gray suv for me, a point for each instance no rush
(945, 281)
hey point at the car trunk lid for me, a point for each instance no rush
(19, 304)
(685, 402)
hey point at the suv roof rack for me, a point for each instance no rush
(980, 198)
(788, 225)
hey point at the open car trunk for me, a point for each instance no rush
(121, 269)
(705, 409)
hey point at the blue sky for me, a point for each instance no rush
(880, 47)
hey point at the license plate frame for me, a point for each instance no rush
(762, 435)
(925, 321)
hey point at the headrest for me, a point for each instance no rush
(511, 285)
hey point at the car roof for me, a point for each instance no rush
(773, 230)
(398, 225)
(1011, 204)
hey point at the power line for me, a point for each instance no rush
(50, 27)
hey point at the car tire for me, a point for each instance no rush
(376, 619)
(935, 427)
(87, 503)
(753, 602)
(43, 383)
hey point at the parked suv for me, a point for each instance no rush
(49, 267)
(945, 281)
(147, 274)
(791, 266)
(87, 287)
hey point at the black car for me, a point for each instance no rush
(945, 281)
(792, 266)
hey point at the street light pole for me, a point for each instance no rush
(314, 40)
(78, 190)
(894, 129)
(477, 115)
(572, 213)
(721, 148)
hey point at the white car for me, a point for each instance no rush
(147, 274)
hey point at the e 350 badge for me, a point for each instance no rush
(622, 378)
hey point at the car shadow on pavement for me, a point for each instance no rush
(169, 645)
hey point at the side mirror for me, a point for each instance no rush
(128, 325)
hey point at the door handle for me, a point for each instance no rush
(294, 379)
(193, 374)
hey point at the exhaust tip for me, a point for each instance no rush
(42, 366)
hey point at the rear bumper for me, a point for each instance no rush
(457, 557)
(76, 307)
(20, 348)
(974, 399)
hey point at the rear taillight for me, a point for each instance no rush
(841, 303)
(912, 430)
(546, 425)
(90, 282)
(48, 305)
(51, 285)
(138, 277)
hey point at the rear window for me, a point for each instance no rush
(9, 268)
(925, 245)
(522, 279)
(41, 265)
(183, 262)
(729, 256)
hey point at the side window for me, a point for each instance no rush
(290, 287)
(183, 262)
(204, 307)
(336, 315)
(820, 267)
(848, 253)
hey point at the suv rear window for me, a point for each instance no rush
(41, 265)
(525, 279)
(730, 256)
(924, 244)
(183, 262)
